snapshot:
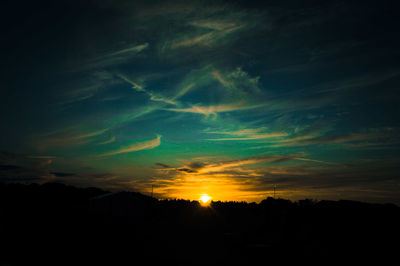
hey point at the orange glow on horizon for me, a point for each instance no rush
(216, 180)
(222, 188)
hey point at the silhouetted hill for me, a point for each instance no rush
(59, 224)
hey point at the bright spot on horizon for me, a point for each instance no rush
(204, 199)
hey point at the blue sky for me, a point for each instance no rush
(221, 98)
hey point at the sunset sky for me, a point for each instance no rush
(224, 98)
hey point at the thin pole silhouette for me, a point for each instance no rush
(152, 188)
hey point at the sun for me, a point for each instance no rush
(205, 199)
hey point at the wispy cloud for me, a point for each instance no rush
(236, 179)
(240, 132)
(248, 134)
(133, 49)
(238, 82)
(215, 167)
(135, 85)
(79, 95)
(134, 115)
(249, 178)
(358, 82)
(116, 57)
(213, 26)
(184, 90)
(206, 33)
(236, 163)
(145, 145)
(311, 139)
(39, 164)
(90, 134)
(153, 96)
(10, 158)
(237, 88)
(110, 140)
(215, 109)
(315, 161)
(66, 138)
(41, 157)
(159, 101)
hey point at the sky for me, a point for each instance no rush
(224, 98)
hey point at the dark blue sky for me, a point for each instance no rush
(225, 98)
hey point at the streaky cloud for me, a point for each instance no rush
(355, 137)
(41, 157)
(255, 137)
(248, 134)
(161, 102)
(237, 82)
(209, 39)
(134, 115)
(315, 161)
(184, 90)
(163, 165)
(133, 49)
(65, 139)
(79, 95)
(153, 97)
(207, 167)
(215, 109)
(145, 145)
(110, 140)
(359, 82)
(240, 132)
(91, 134)
(115, 57)
(135, 85)
(214, 24)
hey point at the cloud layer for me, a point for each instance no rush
(145, 145)
(246, 96)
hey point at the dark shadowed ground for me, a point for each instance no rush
(55, 224)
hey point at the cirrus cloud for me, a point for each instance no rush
(145, 145)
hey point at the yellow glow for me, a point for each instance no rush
(213, 182)
(205, 199)
(222, 187)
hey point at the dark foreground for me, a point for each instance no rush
(54, 224)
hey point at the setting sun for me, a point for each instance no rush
(204, 199)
